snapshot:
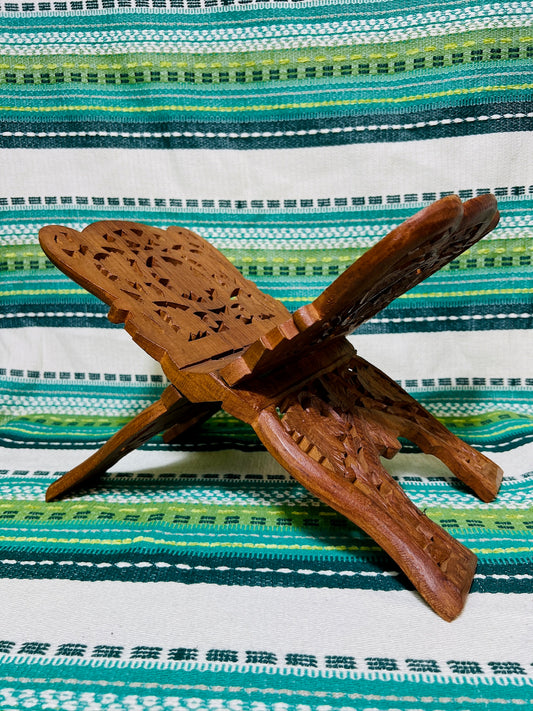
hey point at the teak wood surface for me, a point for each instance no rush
(324, 413)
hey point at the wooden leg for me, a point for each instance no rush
(331, 434)
(336, 456)
(171, 412)
(385, 401)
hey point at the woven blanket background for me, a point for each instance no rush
(293, 136)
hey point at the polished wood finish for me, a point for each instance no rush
(420, 246)
(171, 408)
(323, 412)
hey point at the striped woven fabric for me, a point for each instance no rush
(293, 136)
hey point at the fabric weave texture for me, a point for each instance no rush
(292, 136)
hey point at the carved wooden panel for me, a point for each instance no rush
(330, 435)
(419, 247)
(386, 403)
(174, 291)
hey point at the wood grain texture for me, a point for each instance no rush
(172, 412)
(439, 567)
(325, 414)
(419, 247)
(171, 288)
(331, 434)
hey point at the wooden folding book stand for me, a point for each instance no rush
(323, 412)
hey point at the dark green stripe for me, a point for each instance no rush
(329, 131)
(505, 313)
(509, 576)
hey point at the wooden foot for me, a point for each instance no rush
(330, 436)
(439, 567)
(402, 415)
(171, 412)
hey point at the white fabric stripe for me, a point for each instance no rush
(89, 350)
(360, 169)
(448, 354)
(211, 616)
(250, 37)
(33, 44)
(177, 462)
(516, 462)
(470, 354)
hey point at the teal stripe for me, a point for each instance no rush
(381, 217)
(268, 13)
(294, 293)
(142, 98)
(69, 433)
(442, 399)
(292, 687)
(389, 86)
(512, 208)
(491, 545)
(122, 391)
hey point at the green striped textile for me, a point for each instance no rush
(293, 136)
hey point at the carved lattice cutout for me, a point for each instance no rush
(176, 280)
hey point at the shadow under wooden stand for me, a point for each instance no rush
(324, 413)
